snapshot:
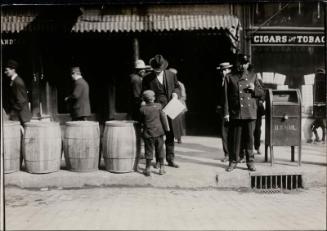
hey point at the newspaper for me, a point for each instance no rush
(174, 108)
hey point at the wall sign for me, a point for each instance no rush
(277, 39)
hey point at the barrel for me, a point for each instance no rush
(12, 146)
(82, 145)
(42, 147)
(119, 146)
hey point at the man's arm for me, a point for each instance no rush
(20, 94)
(225, 101)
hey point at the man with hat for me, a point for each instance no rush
(136, 87)
(18, 101)
(224, 69)
(165, 86)
(242, 88)
(79, 99)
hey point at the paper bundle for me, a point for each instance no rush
(279, 79)
(268, 77)
(282, 87)
(307, 95)
(174, 108)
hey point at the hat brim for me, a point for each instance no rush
(222, 68)
(141, 68)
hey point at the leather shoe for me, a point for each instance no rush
(157, 165)
(231, 167)
(241, 160)
(258, 151)
(147, 172)
(172, 164)
(251, 167)
(162, 170)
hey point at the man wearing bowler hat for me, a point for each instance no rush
(18, 102)
(242, 88)
(165, 85)
(224, 69)
(79, 99)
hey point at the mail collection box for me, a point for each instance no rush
(283, 121)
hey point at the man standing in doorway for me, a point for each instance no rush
(79, 99)
(242, 88)
(18, 102)
(165, 85)
(224, 70)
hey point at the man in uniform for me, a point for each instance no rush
(80, 97)
(165, 86)
(240, 109)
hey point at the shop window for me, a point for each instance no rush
(288, 14)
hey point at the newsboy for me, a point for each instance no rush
(240, 108)
(165, 86)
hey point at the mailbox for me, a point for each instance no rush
(283, 121)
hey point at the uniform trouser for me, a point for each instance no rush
(257, 132)
(154, 144)
(241, 136)
(224, 136)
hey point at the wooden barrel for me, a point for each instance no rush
(119, 146)
(12, 146)
(42, 147)
(81, 145)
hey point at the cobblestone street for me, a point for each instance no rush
(153, 208)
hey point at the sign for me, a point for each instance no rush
(270, 39)
(7, 42)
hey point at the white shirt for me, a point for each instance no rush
(14, 77)
(160, 77)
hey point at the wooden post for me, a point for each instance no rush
(136, 49)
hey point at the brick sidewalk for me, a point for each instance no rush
(199, 158)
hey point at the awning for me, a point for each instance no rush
(154, 22)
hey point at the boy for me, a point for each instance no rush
(155, 124)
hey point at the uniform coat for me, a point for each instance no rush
(80, 99)
(18, 101)
(163, 93)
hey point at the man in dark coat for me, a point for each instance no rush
(79, 99)
(165, 85)
(18, 101)
(240, 108)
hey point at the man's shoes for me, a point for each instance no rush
(242, 160)
(179, 141)
(172, 164)
(225, 159)
(251, 167)
(258, 151)
(147, 172)
(231, 167)
(162, 170)
(157, 165)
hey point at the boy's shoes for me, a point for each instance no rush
(172, 164)
(179, 141)
(242, 160)
(157, 165)
(162, 170)
(251, 167)
(231, 166)
(225, 159)
(147, 172)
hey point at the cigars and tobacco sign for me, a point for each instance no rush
(276, 39)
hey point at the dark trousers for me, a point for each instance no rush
(241, 136)
(170, 145)
(151, 144)
(257, 132)
(224, 136)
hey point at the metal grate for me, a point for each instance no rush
(276, 183)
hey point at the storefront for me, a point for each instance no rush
(105, 41)
(289, 39)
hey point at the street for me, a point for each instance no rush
(150, 208)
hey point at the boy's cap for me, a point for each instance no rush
(148, 95)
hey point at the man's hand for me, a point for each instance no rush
(174, 95)
(66, 98)
(226, 118)
(251, 87)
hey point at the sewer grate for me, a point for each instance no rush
(276, 182)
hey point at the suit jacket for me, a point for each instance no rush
(153, 119)
(239, 102)
(150, 82)
(80, 99)
(19, 101)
